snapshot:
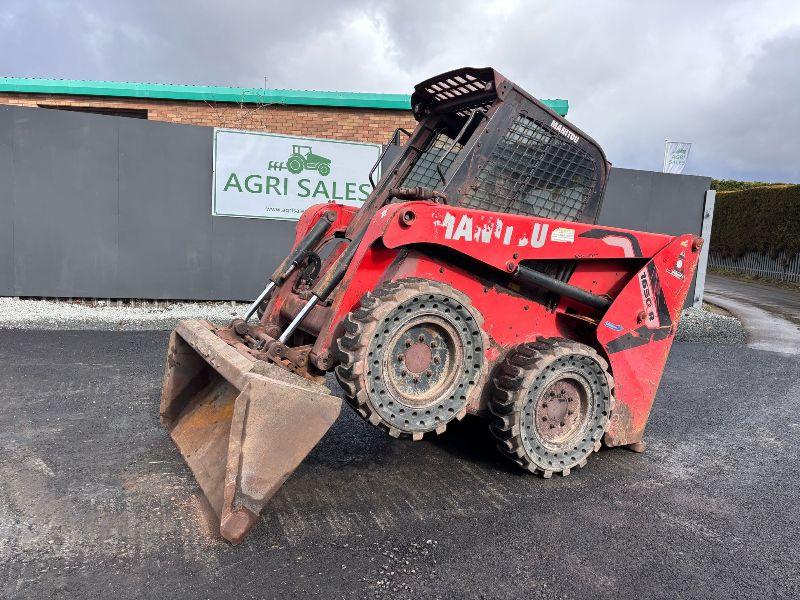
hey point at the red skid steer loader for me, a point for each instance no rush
(473, 280)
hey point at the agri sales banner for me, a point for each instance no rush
(675, 156)
(270, 176)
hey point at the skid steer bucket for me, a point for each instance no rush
(243, 425)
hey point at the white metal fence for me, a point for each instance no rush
(781, 268)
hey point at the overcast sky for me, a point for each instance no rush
(724, 75)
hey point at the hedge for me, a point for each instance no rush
(731, 185)
(759, 219)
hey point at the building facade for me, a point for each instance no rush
(345, 116)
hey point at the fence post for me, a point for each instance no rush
(702, 264)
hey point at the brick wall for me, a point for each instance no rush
(353, 124)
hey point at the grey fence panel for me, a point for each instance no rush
(6, 208)
(676, 203)
(164, 221)
(654, 202)
(626, 202)
(64, 189)
(781, 268)
(657, 203)
(108, 207)
(245, 253)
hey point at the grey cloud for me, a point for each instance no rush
(722, 75)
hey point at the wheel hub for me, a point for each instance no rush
(424, 354)
(561, 410)
(417, 357)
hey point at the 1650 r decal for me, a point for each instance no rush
(648, 301)
(657, 323)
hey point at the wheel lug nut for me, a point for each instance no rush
(562, 423)
(433, 344)
(403, 373)
(544, 418)
(400, 358)
(408, 343)
(429, 373)
(415, 380)
(569, 412)
(544, 404)
(421, 338)
(436, 360)
(552, 426)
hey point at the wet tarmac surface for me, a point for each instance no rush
(95, 501)
(770, 314)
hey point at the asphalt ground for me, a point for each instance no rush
(95, 501)
(780, 300)
(770, 313)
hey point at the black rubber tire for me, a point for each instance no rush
(363, 355)
(520, 392)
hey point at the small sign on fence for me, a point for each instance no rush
(675, 156)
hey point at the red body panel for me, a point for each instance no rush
(646, 275)
(496, 238)
(637, 332)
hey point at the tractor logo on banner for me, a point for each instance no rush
(269, 176)
(303, 158)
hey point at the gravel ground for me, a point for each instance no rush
(700, 325)
(16, 313)
(697, 325)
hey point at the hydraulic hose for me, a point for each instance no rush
(291, 262)
(310, 240)
(531, 277)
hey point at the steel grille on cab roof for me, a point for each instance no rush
(458, 85)
(534, 171)
(424, 173)
(456, 88)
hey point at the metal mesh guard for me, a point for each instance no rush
(459, 87)
(534, 171)
(423, 173)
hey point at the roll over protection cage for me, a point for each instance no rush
(508, 152)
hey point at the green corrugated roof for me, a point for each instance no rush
(211, 93)
(557, 105)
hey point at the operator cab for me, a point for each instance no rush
(487, 144)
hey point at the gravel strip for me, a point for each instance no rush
(16, 313)
(696, 325)
(699, 325)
